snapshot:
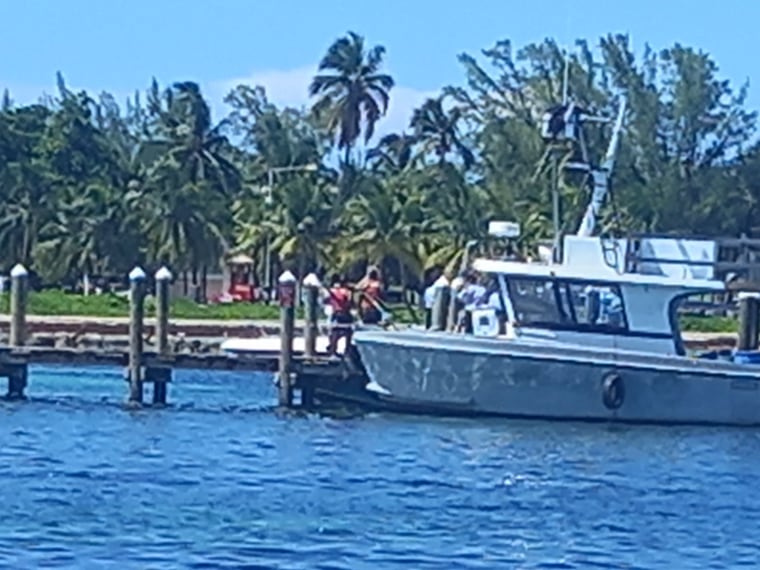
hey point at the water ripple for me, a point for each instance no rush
(218, 481)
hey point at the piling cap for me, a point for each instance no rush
(163, 274)
(19, 271)
(441, 282)
(311, 280)
(287, 277)
(137, 274)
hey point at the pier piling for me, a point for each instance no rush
(286, 294)
(311, 286)
(17, 375)
(162, 376)
(441, 302)
(19, 283)
(136, 313)
(749, 321)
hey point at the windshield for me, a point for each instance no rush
(567, 304)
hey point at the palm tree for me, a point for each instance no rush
(277, 137)
(352, 90)
(393, 154)
(192, 182)
(188, 137)
(385, 221)
(88, 232)
(438, 131)
(457, 215)
(303, 222)
(27, 202)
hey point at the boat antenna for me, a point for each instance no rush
(565, 77)
(600, 176)
(555, 174)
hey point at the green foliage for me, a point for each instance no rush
(695, 323)
(58, 303)
(89, 187)
(353, 93)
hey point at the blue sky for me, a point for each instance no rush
(119, 45)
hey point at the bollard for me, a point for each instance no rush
(19, 283)
(441, 301)
(136, 312)
(163, 280)
(311, 289)
(749, 313)
(286, 295)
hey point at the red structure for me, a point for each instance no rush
(241, 286)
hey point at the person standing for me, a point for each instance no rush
(370, 289)
(340, 300)
(437, 281)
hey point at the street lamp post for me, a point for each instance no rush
(268, 202)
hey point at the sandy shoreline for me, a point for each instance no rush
(217, 329)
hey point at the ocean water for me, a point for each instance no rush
(220, 481)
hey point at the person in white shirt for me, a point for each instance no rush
(471, 295)
(439, 281)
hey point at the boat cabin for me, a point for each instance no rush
(591, 297)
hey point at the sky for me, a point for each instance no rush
(118, 45)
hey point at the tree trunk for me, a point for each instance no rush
(29, 233)
(204, 284)
(347, 154)
(301, 266)
(185, 284)
(194, 288)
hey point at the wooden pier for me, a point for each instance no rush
(296, 372)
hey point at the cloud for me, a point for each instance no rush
(290, 88)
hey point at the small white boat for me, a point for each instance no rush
(272, 344)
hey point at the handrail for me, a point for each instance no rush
(719, 241)
(727, 265)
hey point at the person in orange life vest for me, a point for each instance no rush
(371, 290)
(340, 299)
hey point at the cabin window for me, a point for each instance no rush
(596, 304)
(564, 304)
(537, 301)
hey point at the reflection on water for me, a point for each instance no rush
(219, 481)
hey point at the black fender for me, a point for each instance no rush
(613, 391)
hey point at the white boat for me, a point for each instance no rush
(593, 336)
(562, 355)
(271, 344)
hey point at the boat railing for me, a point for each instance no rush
(736, 260)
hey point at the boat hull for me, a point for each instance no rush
(464, 374)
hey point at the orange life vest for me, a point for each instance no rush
(340, 300)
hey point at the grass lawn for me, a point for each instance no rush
(709, 324)
(53, 302)
(58, 303)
